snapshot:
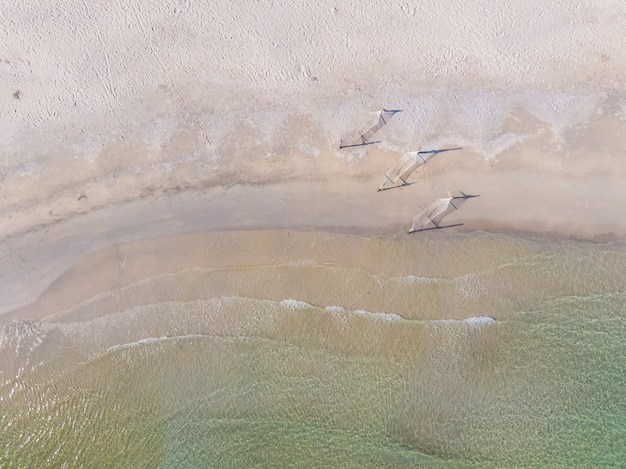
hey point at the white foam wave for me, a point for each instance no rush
(476, 321)
(297, 304)
(381, 316)
(479, 320)
(151, 340)
(418, 279)
(362, 312)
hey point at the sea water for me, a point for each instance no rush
(442, 350)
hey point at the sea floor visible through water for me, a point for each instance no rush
(308, 349)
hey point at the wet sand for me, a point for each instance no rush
(148, 133)
(523, 201)
(193, 273)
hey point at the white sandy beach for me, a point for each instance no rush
(124, 122)
(194, 274)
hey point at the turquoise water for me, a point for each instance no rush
(171, 374)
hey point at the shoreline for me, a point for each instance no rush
(125, 264)
(37, 259)
(527, 192)
(155, 137)
(192, 271)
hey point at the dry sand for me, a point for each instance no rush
(123, 122)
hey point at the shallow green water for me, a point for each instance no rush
(248, 382)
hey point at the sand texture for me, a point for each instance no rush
(193, 273)
(129, 121)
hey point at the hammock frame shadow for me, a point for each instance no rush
(435, 228)
(360, 144)
(377, 120)
(407, 164)
(430, 218)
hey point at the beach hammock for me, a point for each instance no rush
(430, 218)
(408, 163)
(375, 120)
